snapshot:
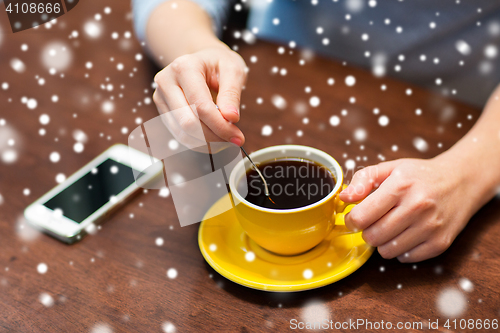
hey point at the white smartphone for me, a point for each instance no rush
(76, 206)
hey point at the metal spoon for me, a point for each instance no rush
(266, 188)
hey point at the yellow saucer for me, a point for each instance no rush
(230, 252)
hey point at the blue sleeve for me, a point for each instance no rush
(142, 9)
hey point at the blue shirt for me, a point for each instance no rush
(447, 45)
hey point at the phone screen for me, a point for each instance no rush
(89, 193)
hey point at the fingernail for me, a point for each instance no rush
(233, 109)
(236, 141)
(347, 190)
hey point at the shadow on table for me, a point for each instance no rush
(381, 275)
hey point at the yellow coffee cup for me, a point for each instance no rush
(290, 231)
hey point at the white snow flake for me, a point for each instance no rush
(249, 256)
(44, 119)
(334, 120)
(173, 144)
(164, 192)
(9, 156)
(350, 164)
(354, 6)
(314, 101)
(17, 65)
(93, 29)
(451, 302)
(350, 80)
(101, 328)
(42, 268)
(315, 312)
(80, 136)
(46, 299)
(279, 102)
(57, 55)
(360, 134)
(107, 106)
(491, 51)
(168, 327)
(383, 121)
(420, 144)
(54, 157)
(78, 147)
(307, 274)
(466, 285)
(172, 273)
(31, 103)
(266, 130)
(463, 47)
(60, 177)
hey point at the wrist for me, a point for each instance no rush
(473, 175)
(199, 39)
(173, 32)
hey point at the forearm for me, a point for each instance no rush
(179, 27)
(477, 154)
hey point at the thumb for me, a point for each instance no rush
(231, 81)
(364, 181)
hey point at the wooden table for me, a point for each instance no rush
(116, 280)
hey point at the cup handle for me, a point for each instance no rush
(341, 209)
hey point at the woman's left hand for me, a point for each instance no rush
(417, 208)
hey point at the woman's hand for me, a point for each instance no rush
(185, 84)
(417, 209)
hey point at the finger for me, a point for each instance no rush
(423, 251)
(373, 208)
(197, 93)
(168, 95)
(364, 181)
(179, 117)
(404, 242)
(172, 96)
(388, 227)
(180, 114)
(231, 81)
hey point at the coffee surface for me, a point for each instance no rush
(292, 182)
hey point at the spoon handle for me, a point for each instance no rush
(266, 189)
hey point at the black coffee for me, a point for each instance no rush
(292, 182)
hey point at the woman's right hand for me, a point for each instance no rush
(186, 83)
